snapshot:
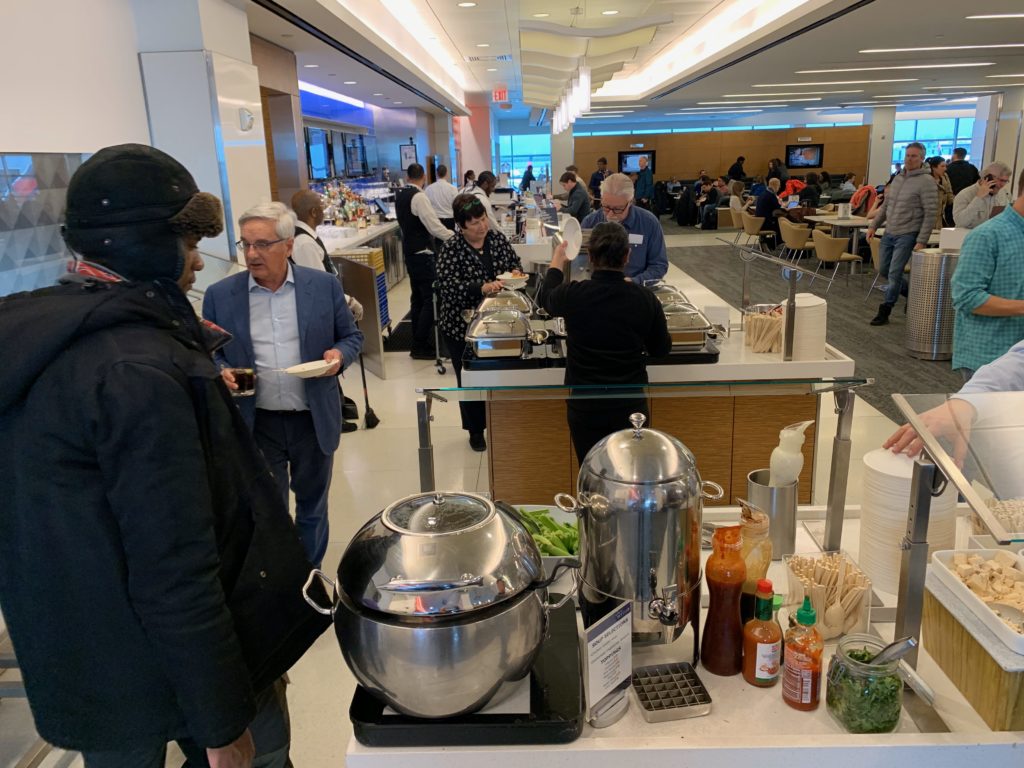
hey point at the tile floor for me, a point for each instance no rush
(374, 468)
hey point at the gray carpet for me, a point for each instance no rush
(878, 351)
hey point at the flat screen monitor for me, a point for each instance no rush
(629, 162)
(805, 155)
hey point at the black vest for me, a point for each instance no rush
(329, 267)
(415, 237)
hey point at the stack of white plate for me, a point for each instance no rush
(883, 517)
(809, 327)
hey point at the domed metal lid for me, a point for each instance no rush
(639, 456)
(439, 554)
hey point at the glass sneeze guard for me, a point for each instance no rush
(977, 442)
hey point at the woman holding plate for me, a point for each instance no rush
(467, 270)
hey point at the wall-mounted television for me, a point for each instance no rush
(805, 155)
(629, 162)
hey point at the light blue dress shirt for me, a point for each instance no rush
(274, 327)
(648, 258)
(1004, 374)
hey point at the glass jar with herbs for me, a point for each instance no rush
(861, 696)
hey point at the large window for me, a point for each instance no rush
(520, 150)
(940, 136)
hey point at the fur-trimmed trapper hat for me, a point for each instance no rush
(129, 207)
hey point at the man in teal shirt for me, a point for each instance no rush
(988, 289)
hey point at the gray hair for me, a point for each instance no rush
(619, 185)
(916, 145)
(279, 213)
(997, 169)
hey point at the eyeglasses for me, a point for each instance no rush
(261, 246)
(614, 209)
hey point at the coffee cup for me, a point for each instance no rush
(245, 379)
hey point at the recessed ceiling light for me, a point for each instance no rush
(350, 82)
(483, 45)
(942, 48)
(396, 102)
(904, 95)
(714, 112)
(608, 114)
(834, 82)
(998, 16)
(467, 5)
(762, 101)
(948, 87)
(1018, 75)
(591, 117)
(616, 109)
(541, 15)
(492, 69)
(310, 66)
(609, 13)
(788, 93)
(287, 34)
(908, 66)
(873, 103)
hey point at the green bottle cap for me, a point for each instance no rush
(806, 614)
(776, 602)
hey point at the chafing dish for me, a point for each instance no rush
(667, 294)
(507, 299)
(503, 333)
(687, 325)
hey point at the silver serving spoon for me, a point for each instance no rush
(894, 650)
(1008, 612)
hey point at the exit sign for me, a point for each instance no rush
(499, 94)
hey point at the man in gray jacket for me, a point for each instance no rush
(973, 205)
(908, 212)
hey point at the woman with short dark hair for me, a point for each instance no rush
(468, 178)
(811, 193)
(467, 270)
(613, 325)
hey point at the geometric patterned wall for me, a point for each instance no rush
(32, 194)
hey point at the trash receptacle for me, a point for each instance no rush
(930, 306)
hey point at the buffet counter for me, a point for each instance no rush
(746, 726)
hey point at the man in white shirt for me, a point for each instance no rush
(308, 250)
(420, 230)
(973, 205)
(482, 189)
(441, 193)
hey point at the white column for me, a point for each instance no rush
(203, 101)
(883, 126)
(476, 135)
(562, 153)
(983, 137)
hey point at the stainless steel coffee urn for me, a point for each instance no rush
(639, 501)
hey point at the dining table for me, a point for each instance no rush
(847, 225)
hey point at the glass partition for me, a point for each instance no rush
(977, 441)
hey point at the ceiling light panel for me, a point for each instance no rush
(790, 93)
(761, 101)
(907, 66)
(998, 16)
(835, 82)
(1017, 75)
(943, 48)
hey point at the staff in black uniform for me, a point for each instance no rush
(611, 323)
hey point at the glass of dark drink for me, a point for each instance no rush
(245, 378)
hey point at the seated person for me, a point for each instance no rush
(709, 203)
(769, 207)
(757, 187)
(612, 325)
(577, 204)
(811, 194)
(736, 201)
(849, 183)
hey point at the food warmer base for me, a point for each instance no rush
(706, 355)
(556, 705)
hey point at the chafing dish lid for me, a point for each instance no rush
(499, 324)
(685, 317)
(438, 554)
(506, 299)
(640, 456)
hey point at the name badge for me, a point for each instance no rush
(636, 239)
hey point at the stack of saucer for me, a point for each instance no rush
(883, 517)
(809, 327)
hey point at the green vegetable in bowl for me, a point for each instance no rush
(862, 697)
(554, 539)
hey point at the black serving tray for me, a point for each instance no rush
(699, 356)
(556, 705)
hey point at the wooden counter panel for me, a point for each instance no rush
(995, 694)
(705, 426)
(529, 451)
(758, 423)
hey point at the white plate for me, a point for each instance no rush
(573, 235)
(515, 282)
(309, 370)
(942, 565)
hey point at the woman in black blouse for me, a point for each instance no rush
(611, 323)
(467, 270)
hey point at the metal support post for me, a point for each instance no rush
(839, 473)
(787, 342)
(426, 449)
(926, 482)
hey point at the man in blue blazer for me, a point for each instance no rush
(280, 315)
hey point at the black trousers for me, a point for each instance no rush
(421, 303)
(474, 415)
(270, 729)
(592, 420)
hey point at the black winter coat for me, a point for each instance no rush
(149, 578)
